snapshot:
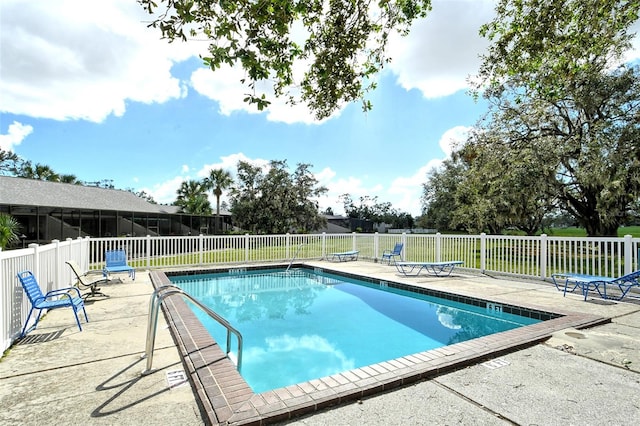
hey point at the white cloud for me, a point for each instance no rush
(61, 60)
(230, 163)
(453, 138)
(67, 60)
(165, 192)
(351, 185)
(442, 50)
(225, 87)
(16, 133)
(634, 53)
(406, 191)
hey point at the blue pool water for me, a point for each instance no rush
(303, 325)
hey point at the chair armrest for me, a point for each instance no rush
(62, 291)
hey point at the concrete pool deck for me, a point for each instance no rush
(589, 376)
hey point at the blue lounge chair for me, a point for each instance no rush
(434, 268)
(596, 283)
(116, 261)
(392, 254)
(61, 298)
(345, 256)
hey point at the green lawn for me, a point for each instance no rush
(634, 231)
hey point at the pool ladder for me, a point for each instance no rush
(157, 298)
(294, 257)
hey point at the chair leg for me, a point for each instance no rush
(625, 290)
(85, 313)
(585, 290)
(75, 313)
(94, 291)
(24, 328)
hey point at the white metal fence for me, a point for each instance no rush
(531, 257)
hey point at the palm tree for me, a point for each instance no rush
(217, 181)
(9, 227)
(38, 172)
(192, 198)
(70, 179)
(9, 162)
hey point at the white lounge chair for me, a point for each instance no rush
(85, 283)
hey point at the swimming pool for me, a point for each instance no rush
(302, 324)
(225, 397)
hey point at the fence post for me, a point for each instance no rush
(287, 249)
(147, 251)
(201, 249)
(403, 253)
(376, 245)
(36, 260)
(483, 252)
(628, 254)
(543, 256)
(324, 245)
(80, 256)
(246, 247)
(438, 247)
(56, 266)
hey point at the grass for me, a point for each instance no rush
(634, 231)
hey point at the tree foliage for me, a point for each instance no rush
(9, 228)
(12, 165)
(369, 208)
(439, 194)
(217, 181)
(276, 201)
(541, 46)
(339, 43)
(142, 194)
(9, 163)
(192, 198)
(502, 187)
(38, 172)
(559, 92)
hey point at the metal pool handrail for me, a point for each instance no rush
(157, 298)
(294, 256)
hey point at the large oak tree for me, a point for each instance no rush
(558, 85)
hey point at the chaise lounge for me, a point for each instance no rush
(345, 256)
(433, 268)
(596, 283)
(84, 283)
(116, 261)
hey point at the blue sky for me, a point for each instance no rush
(87, 89)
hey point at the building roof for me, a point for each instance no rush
(31, 192)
